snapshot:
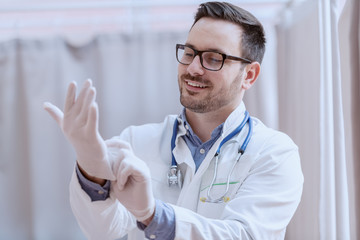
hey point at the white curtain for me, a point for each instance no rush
(311, 110)
(135, 76)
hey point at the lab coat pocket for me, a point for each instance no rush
(215, 196)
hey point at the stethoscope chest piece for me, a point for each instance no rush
(174, 176)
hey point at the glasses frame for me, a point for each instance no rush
(197, 52)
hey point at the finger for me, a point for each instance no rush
(93, 118)
(79, 101)
(89, 99)
(54, 112)
(70, 97)
(123, 175)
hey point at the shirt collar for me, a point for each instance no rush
(215, 133)
(225, 128)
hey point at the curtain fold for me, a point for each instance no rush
(334, 202)
(313, 79)
(349, 56)
(356, 106)
(298, 77)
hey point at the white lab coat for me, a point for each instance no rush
(267, 190)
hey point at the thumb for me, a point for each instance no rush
(54, 112)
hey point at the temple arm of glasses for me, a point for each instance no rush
(238, 59)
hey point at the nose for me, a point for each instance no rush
(195, 68)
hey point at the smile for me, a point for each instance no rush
(195, 84)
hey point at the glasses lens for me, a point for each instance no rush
(185, 55)
(212, 60)
(209, 60)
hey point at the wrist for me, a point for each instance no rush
(147, 221)
(94, 179)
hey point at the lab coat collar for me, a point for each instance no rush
(234, 119)
(181, 127)
(181, 151)
(230, 123)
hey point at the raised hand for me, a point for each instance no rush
(79, 123)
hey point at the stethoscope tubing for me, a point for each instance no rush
(233, 133)
(173, 139)
(241, 150)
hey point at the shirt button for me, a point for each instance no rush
(100, 192)
(152, 236)
(202, 151)
(187, 127)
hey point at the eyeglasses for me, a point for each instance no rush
(209, 60)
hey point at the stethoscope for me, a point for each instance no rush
(174, 175)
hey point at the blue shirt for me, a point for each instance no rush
(197, 148)
(163, 224)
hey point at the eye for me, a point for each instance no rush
(188, 52)
(215, 60)
(212, 58)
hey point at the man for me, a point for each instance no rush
(121, 187)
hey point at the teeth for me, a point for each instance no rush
(195, 85)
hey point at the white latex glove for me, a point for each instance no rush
(133, 180)
(79, 123)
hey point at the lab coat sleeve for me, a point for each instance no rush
(263, 205)
(106, 219)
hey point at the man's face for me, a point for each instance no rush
(205, 91)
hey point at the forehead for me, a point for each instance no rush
(215, 34)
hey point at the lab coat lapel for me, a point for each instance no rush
(189, 195)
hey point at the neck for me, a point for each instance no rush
(203, 124)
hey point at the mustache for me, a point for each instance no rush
(199, 79)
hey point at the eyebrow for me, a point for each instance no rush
(209, 49)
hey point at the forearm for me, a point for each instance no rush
(97, 180)
(148, 221)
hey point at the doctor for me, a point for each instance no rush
(232, 177)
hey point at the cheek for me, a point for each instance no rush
(237, 74)
(180, 72)
(182, 69)
(223, 80)
(233, 80)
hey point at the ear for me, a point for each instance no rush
(252, 72)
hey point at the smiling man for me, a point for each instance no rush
(213, 172)
(212, 83)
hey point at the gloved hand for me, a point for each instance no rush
(79, 123)
(133, 180)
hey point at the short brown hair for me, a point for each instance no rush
(253, 37)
